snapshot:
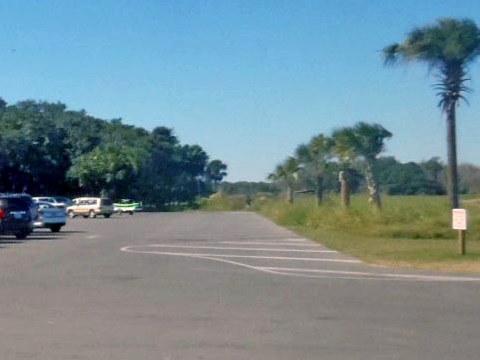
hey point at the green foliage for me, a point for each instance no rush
(107, 170)
(409, 178)
(361, 140)
(249, 189)
(403, 217)
(448, 47)
(287, 171)
(469, 178)
(410, 231)
(215, 171)
(40, 143)
(221, 202)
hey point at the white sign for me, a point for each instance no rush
(459, 219)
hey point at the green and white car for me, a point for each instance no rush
(129, 206)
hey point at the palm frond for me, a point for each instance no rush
(391, 54)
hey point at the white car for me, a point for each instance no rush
(54, 200)
(90, 207)
(127, 206)
(50, 216)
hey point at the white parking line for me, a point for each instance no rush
(294, 239)
(129, 249)
(363, 273)
(278, 239)
(265, 243)
(312, 273)
(240, 248)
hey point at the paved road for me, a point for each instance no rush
(220, 286)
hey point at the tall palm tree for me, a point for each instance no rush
(215, 171)
(366, 141)
(288, 172)
(449, 46)
(317, 155)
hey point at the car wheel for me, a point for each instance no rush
(106, 216)
(91, 214)
(55, 228)
(130, 212)
(21, 235)
(71, 214)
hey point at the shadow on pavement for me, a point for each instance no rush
(7, 241)
(37, 235)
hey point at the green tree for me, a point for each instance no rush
(40, 141)
(287, 172)
(435, 172)
(366, 141)
(192, 161)
(469, 175)
(449, 46)
(215, 171)
(32, 149)
(316, 156)
(406, 179)
(107, 170)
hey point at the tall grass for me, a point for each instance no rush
(412, 231)
(402, 217)
(220, 202)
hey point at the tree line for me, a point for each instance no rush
(351, 155)
(46, 148)
(448, 47)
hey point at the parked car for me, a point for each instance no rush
(63, 199)
(54, 200)
(90, 207)
(32, 205)
(50, 216)
(15, 216)
(127, 206)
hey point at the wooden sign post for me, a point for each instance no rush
(459, 222)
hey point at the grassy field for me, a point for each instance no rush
(219, 202)
(410, 231)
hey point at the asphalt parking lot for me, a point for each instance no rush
(220, 286)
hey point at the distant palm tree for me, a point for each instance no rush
(288, 172)
(317, 155)
(449, 46)
(215, 171)
(365, 141)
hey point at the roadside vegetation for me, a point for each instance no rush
(413, 231)
(221, 202)
(47, 149)
(335, 187)
(346, 165)
(410, 231)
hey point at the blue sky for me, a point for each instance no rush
(247, 80)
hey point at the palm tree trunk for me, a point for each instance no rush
(452, 173)
(372, 184)
(319, 189)
(290, 194)
(344, 189)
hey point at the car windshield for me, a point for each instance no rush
(14, 203)
(62, 199)
(45, 205)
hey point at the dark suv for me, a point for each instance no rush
(15, 217)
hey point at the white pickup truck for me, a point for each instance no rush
(127, 206)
